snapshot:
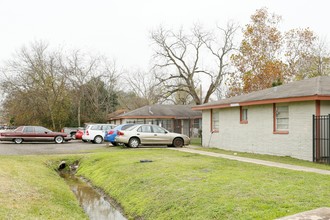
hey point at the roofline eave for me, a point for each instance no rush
(263, 102)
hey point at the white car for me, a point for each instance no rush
(147, 134)
(95, 132)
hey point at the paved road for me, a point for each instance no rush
(74, 146)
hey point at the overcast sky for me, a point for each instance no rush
(120, 29)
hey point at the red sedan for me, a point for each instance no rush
(79, 134)
(33, 133)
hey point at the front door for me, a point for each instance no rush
(177, 126)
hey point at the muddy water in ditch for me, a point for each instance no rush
(95, 205)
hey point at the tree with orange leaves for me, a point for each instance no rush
(267, 57)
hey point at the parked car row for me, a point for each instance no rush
(130, 135)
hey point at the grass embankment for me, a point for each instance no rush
(180, 185)
(29, 189)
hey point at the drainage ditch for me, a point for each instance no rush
(95, 204)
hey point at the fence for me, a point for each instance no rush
(321, 139)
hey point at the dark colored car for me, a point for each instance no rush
(111, 135)
(34, 134)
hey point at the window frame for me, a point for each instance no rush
(242, 119)
(215, 115)
(275, 119)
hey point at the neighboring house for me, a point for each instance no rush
(175, 118)
(276, 121)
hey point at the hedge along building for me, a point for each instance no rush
(175, 118)
(276, 121)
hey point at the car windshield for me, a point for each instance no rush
(19, 128)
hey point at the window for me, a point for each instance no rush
(215, 120)
(29, 129)
(145, 129)
(167, 124)
(41, 130)
(157, 129)
(197, 123)
(243, 115)
(135, 121)
(281, 119)
(96, 127)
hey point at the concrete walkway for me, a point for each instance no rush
(255, 161)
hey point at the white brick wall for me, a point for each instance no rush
(325, 107)
(257, 136)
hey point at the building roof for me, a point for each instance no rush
(116, 113)
(317, 88)
(162, 111)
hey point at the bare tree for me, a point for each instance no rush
(36, 86)
(197, 57)
(93, 82)
(79, 70)
(321, 64)
(144, 84)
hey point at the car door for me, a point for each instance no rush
(144, 132)
(160, 135)
(28, 133)
(43, 134)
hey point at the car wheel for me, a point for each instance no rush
(18, 140)
(59, 139)
(84, 140)
(98, 140)
(134, 142)
(178, 142)
(114, 143)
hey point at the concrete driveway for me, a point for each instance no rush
(71, 147)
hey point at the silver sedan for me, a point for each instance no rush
(147, 134)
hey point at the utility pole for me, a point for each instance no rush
(201, 93)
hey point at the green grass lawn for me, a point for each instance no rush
(180, 185)
(29, 189)
(196, 141)
(175, 185)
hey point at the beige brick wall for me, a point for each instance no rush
(257, 136)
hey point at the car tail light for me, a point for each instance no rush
(87, 133)
(111, 132)
(120, 133)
